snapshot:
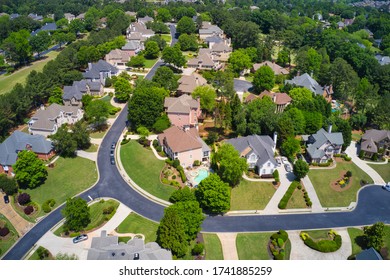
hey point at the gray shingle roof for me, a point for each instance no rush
(79, 88)
(383, 60)
(131, 46)
(308, 82)
(261, 145)
(18, 142)
(320, 138)
(369, 254)
(214, 39)
(97, 68)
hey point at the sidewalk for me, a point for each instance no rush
(228, 243)
(84, 154)
(316, 206)
(352, 152)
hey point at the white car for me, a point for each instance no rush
(288, 167)
(284, 160)
(278, 161)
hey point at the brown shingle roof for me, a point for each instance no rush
(278, 70)
(179, 140)
(188, 83)
(279, 98)
(182, 104)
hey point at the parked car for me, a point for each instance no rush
(386, 187)
(284, 160)
(112, 153)
(6, 199)
(112, 160)
(278, 161)
(288, 167)
(81, 237)
(113, 145)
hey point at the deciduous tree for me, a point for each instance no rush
(300, 169)
(30, 171)
(76, 214)
(207, 97)
(264, 79)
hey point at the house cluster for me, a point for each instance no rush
(281, 99)
(48, 27)
(375, 142)
(218, 51)
(345, 23)
(308, 82)
(20, 141)
(136, 35)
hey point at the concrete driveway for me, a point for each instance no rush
(20, 224)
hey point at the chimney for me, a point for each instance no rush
(89, 65)
(275, 139)
(298, 73)
(42, 107)
(274, 100)
(330, 128)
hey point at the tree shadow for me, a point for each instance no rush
(361, 241)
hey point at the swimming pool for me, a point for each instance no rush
(202, 174)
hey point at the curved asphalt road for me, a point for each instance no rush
(373, 206)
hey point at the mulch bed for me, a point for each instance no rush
(335, 185)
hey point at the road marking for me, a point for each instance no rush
(90, 197)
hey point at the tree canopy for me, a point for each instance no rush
(76, 214)
(30, 171)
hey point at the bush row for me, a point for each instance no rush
(283, 202)
(48, 205)
(324, 245)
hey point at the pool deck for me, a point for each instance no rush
(193, 173)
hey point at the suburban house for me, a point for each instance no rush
(369, 254)
(139, 31)
(184, 145)
(20, 141)
(145, 20)
(322, 145)
(211, 40)
(383, 60)
(108, 247)
(375, 142)
(208, 30)
(277, 69)
(73, 94)
(132, 48)
(131, 14)
(204, 61)
(187, 83)
(99, 71)
(69, 17)
(259, 151)
(13, 16)
(183, 111)
(117, 57)
(46, 121)
(81, 16)
(308, 82)
(35, 17)
(281, 99)
(48, 27)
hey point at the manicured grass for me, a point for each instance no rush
(322, 179)
(150, 62)
(356, 239)
(251, 195)
(297, 200)
(166, 37)
(98, 218)
(107, 100)
(144, 169)
(98, 134)
(19, 76)
(253, 246)
(213, 247)
(318, 234)
(69, 177)
(10, 239)
(383, 170)
(92, 149)
(249, 78)
(356, 136)
(124, 239)
(139, 225)
(35, 257)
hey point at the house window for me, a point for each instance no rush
(205, 154)
(190, 156)
(269, 164)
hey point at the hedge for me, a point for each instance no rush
(324, 245)
(283, 202)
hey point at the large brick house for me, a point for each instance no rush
(20, 141)
(375, 142)
(183, 111)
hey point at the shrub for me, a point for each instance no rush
(182, 175)
(197, 163)
(198, 249)
(299, 187)
(175, 183)
(283, 202)
(42, 253)
(46, 208)
(108, 210)
(276, 175)
(52, 202)
(174, 177)
(348, 174)
(169, 161)
(347, 158)
(4, 231)
(280, 242)
(165, 181)
(283, 234)
(361, 154)
(155, 143)
(158, 149)
(375, 157)
(24, 198)
(176, 163)
(28, 210)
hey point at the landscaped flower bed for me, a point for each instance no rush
(331, 242)
(280, 245)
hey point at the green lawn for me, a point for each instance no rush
(356, 239)
(144, 169)
(297, 201)
(251, 195)
(137, 224)
(98, 134)
(166, 37)
(107, 100)
(213, 247)
(322, 180)
(11, 237)
(253, 246)
(69, 177)
(383, 170)
(92, 149)
(98, 218)
(150, 62)
(7, 82)
(35, 257)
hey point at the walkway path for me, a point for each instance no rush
(299, 251)
(20, 224)
(316, 206)
(57, 244)
(352, 152)
(84, 154)
(228, 242)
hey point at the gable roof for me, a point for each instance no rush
(369, 254)
(145, 19)
(79, 88)
(213, 39)
(279, 98)
(208, 28)
(187, 83)
(93, 72)
(179, 140)
(182, 104)
(131, 46)
(277, 69)
(18, 142)
(52, 26)
(383, 60)
(221, 47)
(376, 135)
(320, 138)
(308, 82)
(118, 54)
(44, 119)
(261, 145)
(204, 58)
